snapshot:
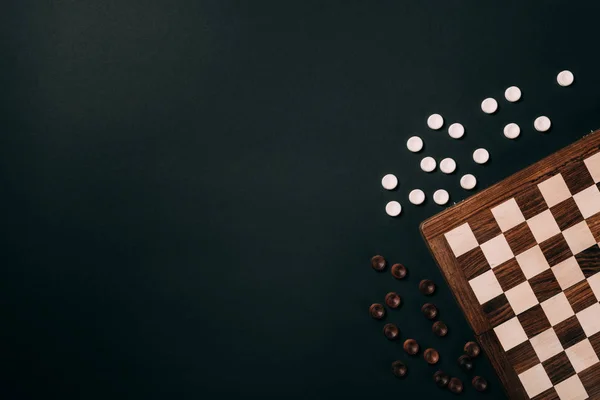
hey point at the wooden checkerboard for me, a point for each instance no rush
(522, 259)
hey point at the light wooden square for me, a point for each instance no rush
(508, 215)
(546, 344)
(593, 165)
(543, 226)
(485, 286)
(571, 389)
(594, 282)
(497, 251)
(535, 380)
(510, 333)
(589, 319)
(521, 297)
(554, 190)
(461, 239)
(557, 308)
(582, 355)
(579, 237)
(588, 201)
(532, 262)
(568, 273)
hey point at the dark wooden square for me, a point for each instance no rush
(545, 285)
(595, 342)
(520, 238)
(590, 378)
(473, 263)
(580, 296)
(558, 368)
(509, 274)
(498, 310)
(566, 214)
(484, 226)
(534, 321)
(549, 394)
(577, 177)
(569, 332)
(556, 249)
(522, 357)
(594, 225)
(589, 261)
(531, 202)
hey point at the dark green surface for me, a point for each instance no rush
(191, 189)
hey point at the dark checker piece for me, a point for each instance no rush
(399, 271)
(378, 263)
(566, 214)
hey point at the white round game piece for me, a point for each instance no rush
(441, 197)
(489, 105)
(428, 164)
(512, 131)
(456, 130)
(542, 124)
(414, 144)
(435, 121)
(447, 165)
(565, 78)
(512, 94)
(389, 182)
(468, 181)
(416, 196)
(393, 208)
(481, 156)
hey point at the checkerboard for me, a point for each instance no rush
(523, 261)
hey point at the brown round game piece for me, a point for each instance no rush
(378, 263)
(431, 356)
(455, 385)
(392, 300)
(439, 328)
(391, 331)
(411, 346)
(377, 311)
(399, 271)
(479, 383)
(465, 362)
(472, 349)
(427, 287)
(399, 369)
(429, 310)
(441, 379)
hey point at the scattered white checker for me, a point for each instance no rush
(416, 196)
(489, 105)
(535, 380)
(546, 344)
(497, 251)
(512, 131)
(468, 182)
(435, 121)
(542, 123)
(594, 282)
(393, 208)
(589, 319)
(512, 94)
(593, 165)
(508, 215)
(481, 156)
(532, 262)
(588, 201)
(428, 164)
(441, 197)
(565, 78)
(543, 226)
(389, 182)
(568, 273)
(510, 333)
(557, 308)
(461, 239)
(448, 165)
(486, 287)
(579, 237)
(456, 130)
(554, 190)
(521, 297)
(414, 144)
(582, 355)
(571, 389)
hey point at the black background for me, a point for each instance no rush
(191, 190)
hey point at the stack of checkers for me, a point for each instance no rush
(523, 260)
